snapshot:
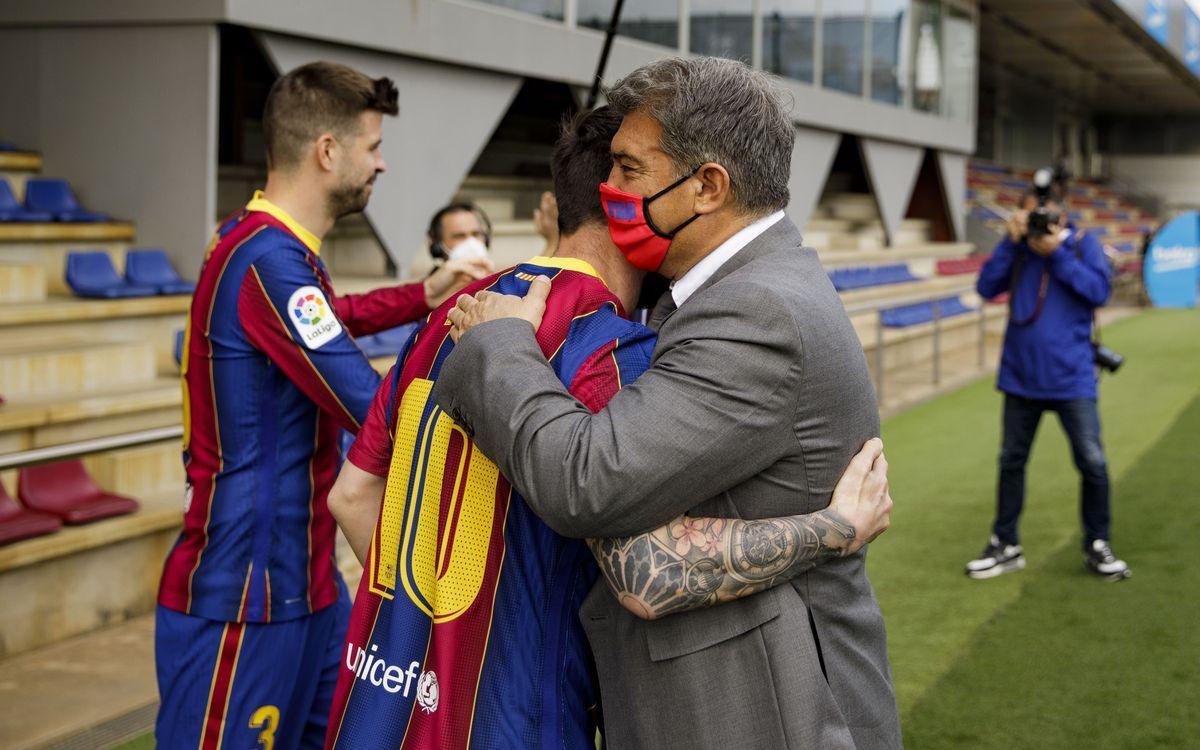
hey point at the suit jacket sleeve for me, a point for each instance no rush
(716, 407)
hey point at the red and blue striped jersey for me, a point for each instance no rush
(271, 374)
(465, 630)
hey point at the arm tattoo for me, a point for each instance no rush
(697, 562)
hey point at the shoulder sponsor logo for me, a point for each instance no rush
(312, 317)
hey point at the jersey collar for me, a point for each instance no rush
(259, 203)
(566, 264)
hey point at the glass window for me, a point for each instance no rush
(545, 8)
(928, 77)
(889, 31)
(842, 27)
(960, 64)
(724, 28)
(788, 34)
(654, 21)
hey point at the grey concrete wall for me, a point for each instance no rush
(485, 37)
(811, 159)
(128, 115)
(1175, 180)
(892, 169)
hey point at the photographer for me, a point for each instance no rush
(1056, 276)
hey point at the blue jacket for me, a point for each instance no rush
(1050, 358)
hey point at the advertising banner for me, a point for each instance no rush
(1172, 265)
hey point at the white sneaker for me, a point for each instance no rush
(996, 559)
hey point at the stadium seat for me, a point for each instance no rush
(56, 197)
(958, 266)
(18, 523)
(12, 210)
(6, 146)
(65, 489)
(387, 343)
(92, 274)
(847, 279)
(922, 312)
(151, 267)
(179, 347)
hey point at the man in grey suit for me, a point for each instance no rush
(757, 397)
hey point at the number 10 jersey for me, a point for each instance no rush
(465, 630)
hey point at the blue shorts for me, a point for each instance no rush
(247, 686)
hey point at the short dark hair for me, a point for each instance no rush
(582, 160)
(434, 231)
(320, 97)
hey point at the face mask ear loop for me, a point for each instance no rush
(646, 206)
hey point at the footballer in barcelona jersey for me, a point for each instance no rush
(465, 631)
(252, 609)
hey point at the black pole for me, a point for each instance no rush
(608, 40)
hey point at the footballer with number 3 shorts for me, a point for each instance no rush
(252, 609)
(465, 631)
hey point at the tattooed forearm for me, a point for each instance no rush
(697, 562)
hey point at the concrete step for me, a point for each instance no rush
(47, 245)
(64, 321)
(33, 371)
(155, 469)
(39, 422)
(82, 578)
(21, 283)
(92, 691)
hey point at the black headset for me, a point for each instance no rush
(437, 248)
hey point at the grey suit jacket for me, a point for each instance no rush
(757, 397)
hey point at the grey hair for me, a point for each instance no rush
(716, 110)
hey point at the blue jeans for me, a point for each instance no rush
(1080, 419)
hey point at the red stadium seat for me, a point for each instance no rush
(18, 523)
(66, 490)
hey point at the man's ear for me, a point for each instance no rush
(326, 147)
(714, 189)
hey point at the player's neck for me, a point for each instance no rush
(301, 201)
(594, 246)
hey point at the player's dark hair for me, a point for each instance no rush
(582, 160)
(317, 98)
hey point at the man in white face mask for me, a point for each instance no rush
(459, 230)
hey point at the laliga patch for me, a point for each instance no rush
(312, 317)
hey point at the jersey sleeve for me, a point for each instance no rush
(284, 312)
(372, 449)
(612, 366)
(381, 309)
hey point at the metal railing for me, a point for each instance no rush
(65, 451)
(879, 306)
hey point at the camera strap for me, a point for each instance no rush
(1043, 288)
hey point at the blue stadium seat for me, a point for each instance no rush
(387, 343)
(56, 197)
(92, 274)
(922, 312)
(179, 347)
(1125, 247)
(12, 210)
(152, 267)
(847, 279)
(984, 214)
(6, 146)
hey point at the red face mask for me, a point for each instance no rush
(642, 243)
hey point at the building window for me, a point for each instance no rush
(724, 28)
(889, 37)
(789, 28)
(928, 74)
(655, 21)
(960, 64)
(842, 27)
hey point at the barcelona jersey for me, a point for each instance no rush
(271, 374)
(465, 630)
